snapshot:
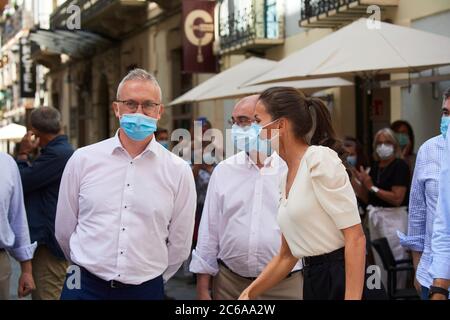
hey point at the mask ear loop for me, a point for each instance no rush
(312, 113)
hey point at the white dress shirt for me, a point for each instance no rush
(238, 224)
(125, 219)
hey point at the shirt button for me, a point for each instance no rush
(123, 229)
(125, 207)
(128, 184)
(131, 162)
(121, 252)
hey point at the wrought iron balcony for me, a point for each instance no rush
(108, 17)
(335, 13)
(257, 26)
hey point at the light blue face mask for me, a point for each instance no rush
(247, 139)
(445, 121)
(137, 126)
(352, 160)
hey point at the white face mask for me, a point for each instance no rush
(385, 151)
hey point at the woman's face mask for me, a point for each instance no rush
(385, 151)
(403, 139)
(248, 138)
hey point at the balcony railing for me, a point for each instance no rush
(254, 27)
(335, 13)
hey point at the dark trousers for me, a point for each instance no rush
(94, 288)
(324, 279)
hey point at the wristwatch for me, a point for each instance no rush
(374, 189)
(438, 290)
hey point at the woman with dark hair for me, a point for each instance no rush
(318, 215)
(405, 137)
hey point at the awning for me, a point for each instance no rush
(75, 43)
(231, 83)
(12, 132)
(359, 50)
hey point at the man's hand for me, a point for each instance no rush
(203, 295)
(26, 284)
(27, 145)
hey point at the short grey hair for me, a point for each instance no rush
(138, 74)
(46, 120)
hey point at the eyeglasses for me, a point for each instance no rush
(133, 106)
(241, 121)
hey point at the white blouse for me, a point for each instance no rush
(320, 204)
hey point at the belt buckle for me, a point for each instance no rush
(113, 284)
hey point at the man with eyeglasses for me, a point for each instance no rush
(126, 205)
(238, 232)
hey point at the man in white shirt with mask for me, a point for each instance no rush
(126, 205)
(238, 232)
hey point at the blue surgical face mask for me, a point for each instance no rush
(352, 160)
(445, 121)
(138, 126)
(164, 143)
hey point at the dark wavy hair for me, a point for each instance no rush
(310, 118)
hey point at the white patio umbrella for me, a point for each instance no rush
(12, 132)
(231, 83)
(231, 78)
(358, 50)
(307, 86)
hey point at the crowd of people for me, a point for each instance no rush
(291, 215)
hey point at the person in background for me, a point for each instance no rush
(238, 230)
(162, 136)
(423, 203)
(202, 174)
(318, 214)
(405, 137)
(14, 233)
(385, 189)
(40, 180)
(356, 159)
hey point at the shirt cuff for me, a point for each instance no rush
(440, 267)
(23, 253)
(199, 265)
(413, 243)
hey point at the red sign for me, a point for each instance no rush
(198, 36)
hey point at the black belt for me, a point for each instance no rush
(250, 278)
(113, 284)
(337, 255)
(1, 249)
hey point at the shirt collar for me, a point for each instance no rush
(269, 162)
(152, 148)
